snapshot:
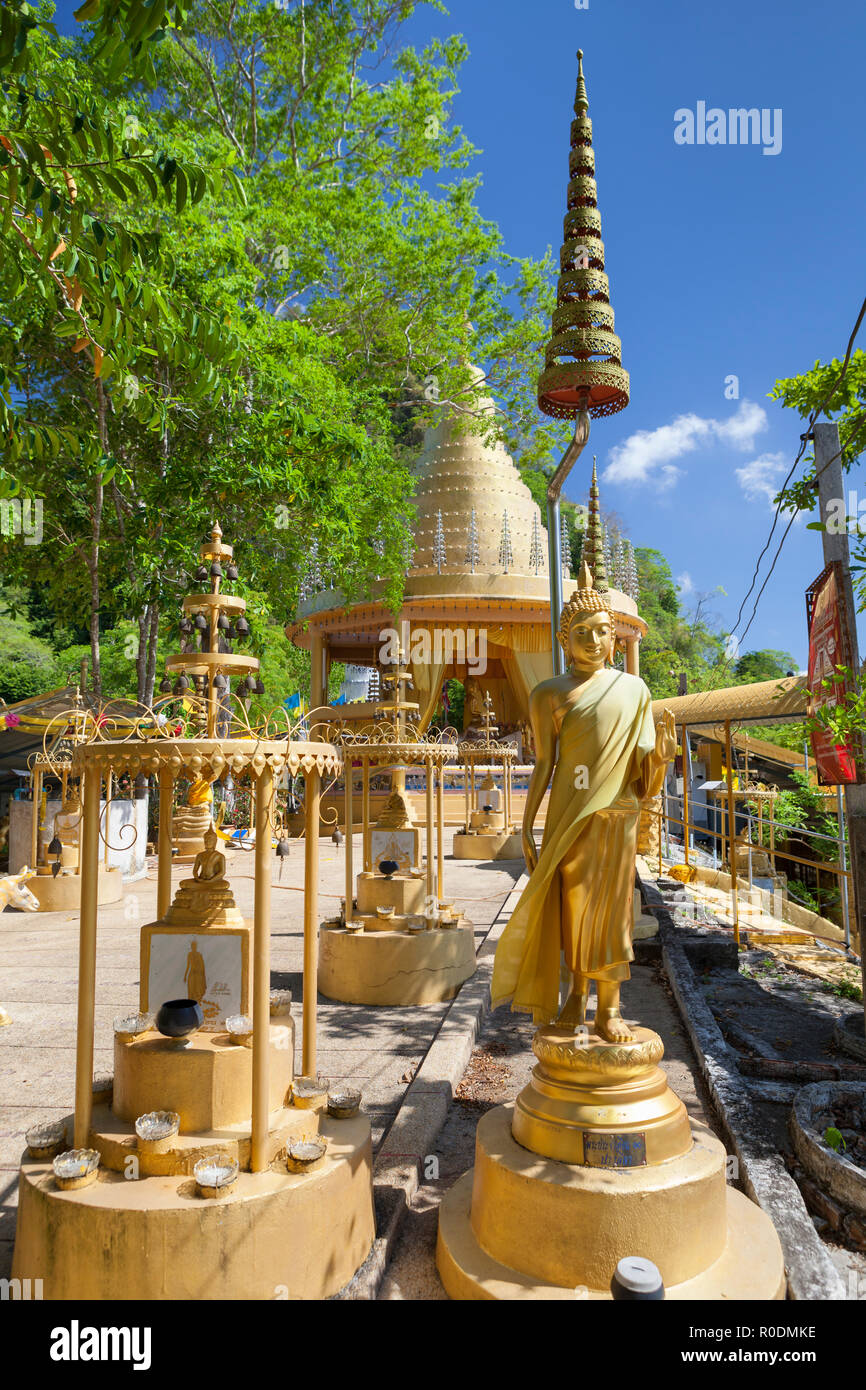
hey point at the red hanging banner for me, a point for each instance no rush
(829, 648)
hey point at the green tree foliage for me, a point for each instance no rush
(675, 643)
(80, 273)
(766, 665)
(844, 402)
(26, 660)
(307, 259)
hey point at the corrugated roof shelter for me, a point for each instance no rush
(765, 702)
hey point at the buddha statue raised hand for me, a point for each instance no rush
(593, 730)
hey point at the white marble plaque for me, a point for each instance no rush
(398, 845)
(207, 968)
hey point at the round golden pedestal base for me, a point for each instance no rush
(601, 1104)
(395, 967)
(63, 893)
(522, 1227)
(497, 844)
(274, 1236)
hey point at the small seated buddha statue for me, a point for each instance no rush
(210, 863)
(206, 898)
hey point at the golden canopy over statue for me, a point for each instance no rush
(593, 730)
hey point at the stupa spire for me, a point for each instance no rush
(581, 101)
(583, 359)
(593, 540)
(536, 550)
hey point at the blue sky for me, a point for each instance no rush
(723, 261)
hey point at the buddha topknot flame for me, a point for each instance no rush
(585, 599)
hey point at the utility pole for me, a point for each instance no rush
(831, 487)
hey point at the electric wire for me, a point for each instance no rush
(803, 442)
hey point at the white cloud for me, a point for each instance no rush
(749, 421)
(647, 455)
(685, 584)
(762, 478)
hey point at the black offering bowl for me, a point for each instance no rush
(388, 867)
(178, 1018)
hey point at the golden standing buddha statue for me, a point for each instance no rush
(610, 759)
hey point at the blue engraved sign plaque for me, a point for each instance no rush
(614, 1150)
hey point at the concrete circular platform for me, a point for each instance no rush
(395, 967)
(495, 845)
(277, 1236)
(63, 893)
(749, 1268)
(522, 1226)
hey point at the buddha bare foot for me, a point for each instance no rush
(573, 1013)
(610, 1025)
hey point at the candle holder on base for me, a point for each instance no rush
(381, 955)
(488, 832)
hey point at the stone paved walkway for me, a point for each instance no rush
(379, 1049)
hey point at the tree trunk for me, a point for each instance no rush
(95, 539)
(152, 636)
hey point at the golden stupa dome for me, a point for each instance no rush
(475, 514)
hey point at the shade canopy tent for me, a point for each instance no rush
(24, 734)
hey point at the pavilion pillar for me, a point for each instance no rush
(686, 789)
(732, 831)
(349, 866)
(632, 656)
(109, 780)
(163, 843)
(428, 774)
(89, 867)
(311, 919)
(264, 795)
(34, 823)
(365, 814)
(440, 832)
(317, 668)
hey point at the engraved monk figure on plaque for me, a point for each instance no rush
(194, 976)
(593, 730)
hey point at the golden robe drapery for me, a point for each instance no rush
(579, 896)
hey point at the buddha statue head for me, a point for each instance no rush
(586, 630)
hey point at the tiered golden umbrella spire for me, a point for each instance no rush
(593, 542)
(583, 359)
